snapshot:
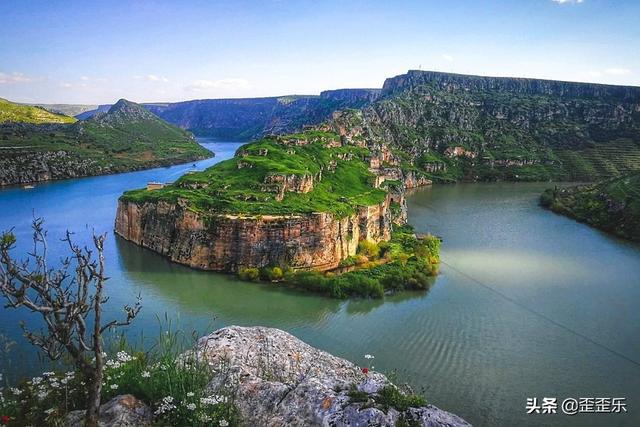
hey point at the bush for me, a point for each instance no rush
(249, 273)
(275, 274)
(369, 249)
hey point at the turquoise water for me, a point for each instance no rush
(529, 304)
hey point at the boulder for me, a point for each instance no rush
(274, 379)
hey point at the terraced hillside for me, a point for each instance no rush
(612, 205)
(127, 137)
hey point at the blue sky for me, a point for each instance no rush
(97, 52)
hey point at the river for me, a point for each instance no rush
(528, 303)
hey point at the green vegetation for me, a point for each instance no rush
(510, 135)
(388, 397)
(18, 113)
(403, 263)
(252, 181)
(173, 386)
(126, 138)
(612, 205)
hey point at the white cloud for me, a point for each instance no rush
(152, 78)
(14, 78)
(447, 57)
(567, 1)
(617, 71)
(233, 83)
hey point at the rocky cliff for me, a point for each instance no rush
(457, 127)
(230, 242)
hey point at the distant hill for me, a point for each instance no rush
(250, 118)
(72, 110)
(17, 113)
(612, 205)
(127, 137)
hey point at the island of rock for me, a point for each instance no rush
(302, 201)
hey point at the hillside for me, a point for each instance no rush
(455, 127)
(127, 137)
(251, 118)
(612, 205)
(16, 113)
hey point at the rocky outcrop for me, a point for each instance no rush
(275, 380)
(230, 242)
(121, 411)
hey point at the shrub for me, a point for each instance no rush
(275, 274)
(249, 273)
(369, 249)
(391, 397)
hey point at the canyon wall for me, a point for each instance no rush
(228, 243)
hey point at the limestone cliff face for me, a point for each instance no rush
(227, 243)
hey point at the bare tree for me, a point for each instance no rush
(69, 299)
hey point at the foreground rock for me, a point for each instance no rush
(121, 411)
(275, 379)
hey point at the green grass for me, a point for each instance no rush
(342, 181)
(157, 377)
(17, 113)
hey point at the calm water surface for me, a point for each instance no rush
(528, 303)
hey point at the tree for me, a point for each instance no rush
(69, 299)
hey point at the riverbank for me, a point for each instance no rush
(612, 205)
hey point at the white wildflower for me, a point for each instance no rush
(124, 357)
(191, 406)
(212, 400)
(48, 374)
(36, 380)
(191, 394)
(114, 386)
(146, 374)
(369, 356)
(166, 406)
(70, 374)
(16, 391)
(50, 411)
(224, 423)
(114, 364)
(164, 367)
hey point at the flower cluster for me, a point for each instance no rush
(165, 406)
